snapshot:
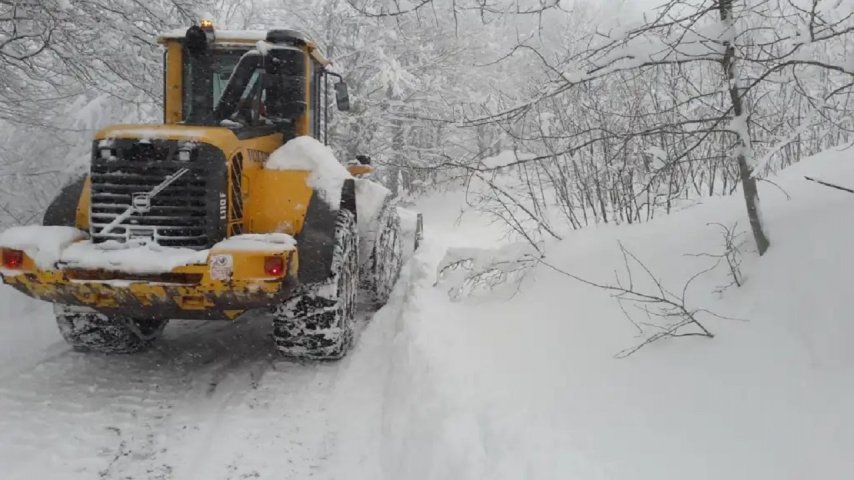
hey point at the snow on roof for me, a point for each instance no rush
(269, 242)
(143, 259)
(43, 244)
(221, 35)
(305, 153)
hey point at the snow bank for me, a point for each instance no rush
(144, 259)
(43, 244)
(529, 387)
(270, 242)
(326, 176)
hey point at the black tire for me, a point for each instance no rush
(386, 257)
(318, 324)
(62, 211)
(87, 330)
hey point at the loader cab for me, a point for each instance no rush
(254, 83)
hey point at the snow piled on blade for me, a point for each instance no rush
(305, 153)
(250, 242)
(43, 244)
(143, 259)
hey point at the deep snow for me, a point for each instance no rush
(522, 384)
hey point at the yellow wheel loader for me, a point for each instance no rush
(212, 215)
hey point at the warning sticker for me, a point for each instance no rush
(221, 267)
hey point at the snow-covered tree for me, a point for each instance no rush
(692, 99)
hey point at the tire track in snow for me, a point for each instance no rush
(212, 400)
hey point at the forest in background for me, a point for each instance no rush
(554, 114)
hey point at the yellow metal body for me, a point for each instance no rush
(274, 202)
(200, 297)
(174, 83)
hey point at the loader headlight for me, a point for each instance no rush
(184, 155)
(106, 153)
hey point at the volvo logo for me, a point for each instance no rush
(142, 202)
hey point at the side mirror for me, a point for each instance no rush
(342, 97)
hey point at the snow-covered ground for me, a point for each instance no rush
(511, 386)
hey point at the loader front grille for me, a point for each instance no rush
(189, 212)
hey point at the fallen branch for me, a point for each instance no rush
(660, 303)
(468, 272)
(731, 254)
(831, 185)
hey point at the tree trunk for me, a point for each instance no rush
(748, 182)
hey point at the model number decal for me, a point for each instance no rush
(257, 156)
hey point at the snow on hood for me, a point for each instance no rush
(326, 176)
(43, 244)
(142, 259)
(270, 242)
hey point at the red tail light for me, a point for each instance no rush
(274, 266)
(13, 259)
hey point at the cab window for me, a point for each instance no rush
(204, 80)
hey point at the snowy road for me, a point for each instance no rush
(212, 400)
